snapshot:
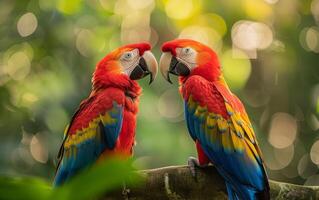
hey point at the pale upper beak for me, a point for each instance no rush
(164, 65)
(147, 66)
(171, 65)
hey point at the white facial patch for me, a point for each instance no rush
(187, 55)
(129, 60)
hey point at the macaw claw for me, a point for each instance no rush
(193, 163)
(125, 191)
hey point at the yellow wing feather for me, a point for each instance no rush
(86, 133)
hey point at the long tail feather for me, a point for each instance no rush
(231, 193)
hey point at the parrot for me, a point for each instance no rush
(216, 119)
(104, 123)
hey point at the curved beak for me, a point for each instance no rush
(171, 65)
(164, 65)
(147, 66)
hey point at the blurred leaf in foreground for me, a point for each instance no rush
(91, 183)
(27, 188)
(101, 178)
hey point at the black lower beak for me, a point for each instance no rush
(177, 68)
(140, 71)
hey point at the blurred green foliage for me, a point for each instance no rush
(88, 184)
(268, 50)
(24, 188)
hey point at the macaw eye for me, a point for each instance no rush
(187, 51)
(127, 56)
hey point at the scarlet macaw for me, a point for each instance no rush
(216, 119)
(105, 122)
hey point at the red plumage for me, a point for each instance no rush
(202, 158)
(204, 95)
(111, 88)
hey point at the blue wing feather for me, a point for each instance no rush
(189, 120)
(113, 128)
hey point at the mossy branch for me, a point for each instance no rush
(177, 183)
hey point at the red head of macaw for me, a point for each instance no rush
(105, 122)
(185, 58)
(133, 61)
(216, 119)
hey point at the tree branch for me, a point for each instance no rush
(177, 183)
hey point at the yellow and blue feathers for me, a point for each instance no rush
(230, 144)
(82, 148)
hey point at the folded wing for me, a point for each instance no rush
(227, 139)
(82, 146)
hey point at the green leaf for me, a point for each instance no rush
(24, 188)
(88, 184)
(101, 178)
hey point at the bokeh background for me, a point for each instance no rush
(268, 50)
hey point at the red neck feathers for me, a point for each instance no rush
(111, 77)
